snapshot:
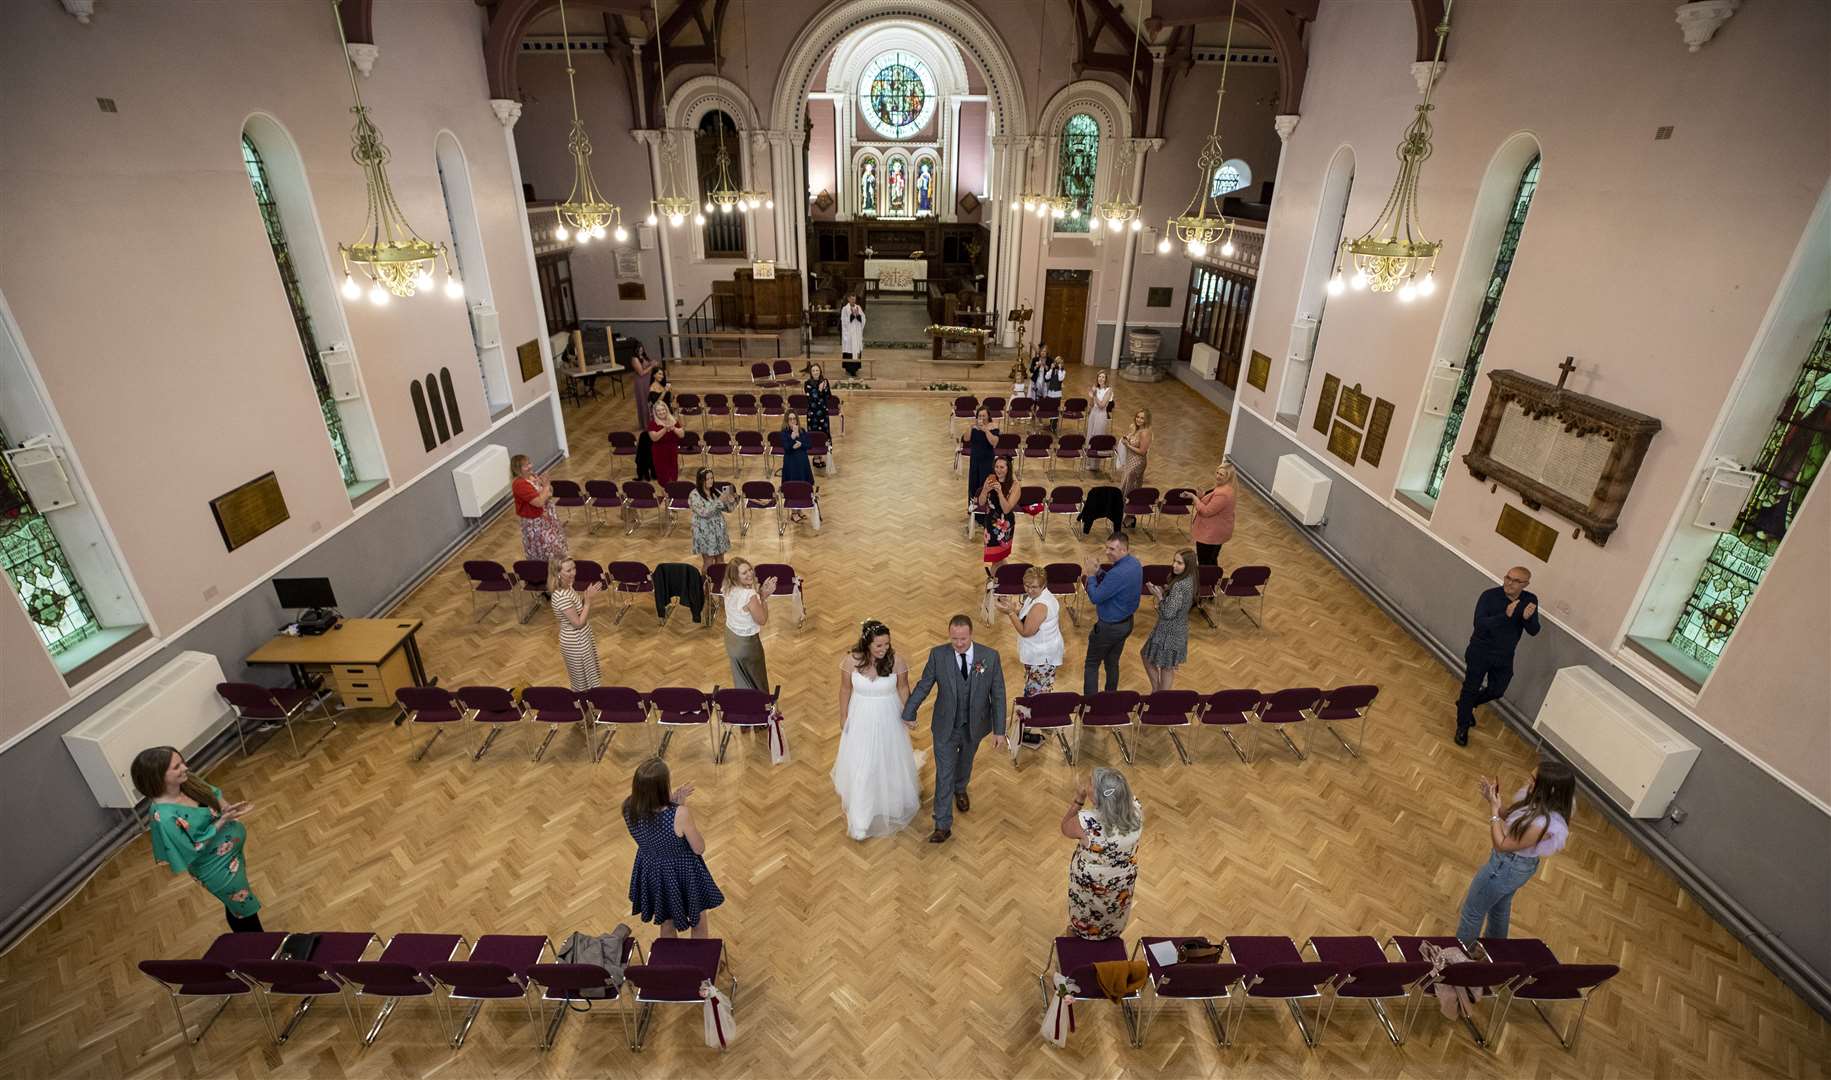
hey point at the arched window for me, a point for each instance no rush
(1484, 322)
(295, 299)
(896, 186)
(724, 231)
(1233, 175)
(473, 269)
(32, 557)
(870, 186)
(1076, 169)
(1313, 299)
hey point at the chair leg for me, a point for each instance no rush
(552, 729)
(381, 1018)
(1305, 1027)
(662, 750)
(1379, 1011)
(1345, 744)
(1282, 734)
(470, 1017)
(1180, 752)
(604, 747)
(436, 732)
(1125, 752)
(1067, 751)
(495, 730)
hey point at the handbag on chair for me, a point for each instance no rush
(1197, 951)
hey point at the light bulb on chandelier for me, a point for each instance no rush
(621, 234)
(1197, 249)
(1428, 285)
(676, 220)
(651, 219)
(1227, 249)
(351, 290)
(1407, 292)
(454, 288)
(1358, 281)
(1163, 245)
(560, 234)
(769, 204)
(378, 295)
(699, 219)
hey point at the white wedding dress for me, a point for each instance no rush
(875, 773)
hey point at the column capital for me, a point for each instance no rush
(82, 10)
(1286, 123)
(1698, 21)
(645, 136)
(362, 56)
(1159, 53)
(1421, 72)
(507, 111)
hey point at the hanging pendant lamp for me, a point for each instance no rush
(1118, 211)
(672, 205)
(1202, 225)
(586, 213)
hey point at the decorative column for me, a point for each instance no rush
(508, 111)
(757, 152)
(1008, 153)
(658, 143)
(782, 188)
(1153, 110)
(1137, 148)
(1698, 21)
(1286, 123)
(363, 57)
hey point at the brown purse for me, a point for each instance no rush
(1197, 951)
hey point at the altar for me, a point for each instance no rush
(896, 274)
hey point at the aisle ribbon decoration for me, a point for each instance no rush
(720, 1027)
(1055, 1028)
(778, 742)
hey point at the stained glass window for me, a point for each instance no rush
(896, 187)
(867, 186)
(295, 299)
(1233, 175)
(1484, 322)
(1789, 461)
(34, 561)
(1078, 165)
(898, 95)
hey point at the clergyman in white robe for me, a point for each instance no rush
(851, 336)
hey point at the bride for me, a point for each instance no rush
(876, 770)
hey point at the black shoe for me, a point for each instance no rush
(1462, 736)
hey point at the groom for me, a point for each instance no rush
(971, 705)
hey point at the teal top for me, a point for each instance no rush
(194, 840)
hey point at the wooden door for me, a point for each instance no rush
(555, 272)
(1065, 313)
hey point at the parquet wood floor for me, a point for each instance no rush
(897, 958)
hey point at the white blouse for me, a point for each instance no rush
(738, 619)
(1046, 645)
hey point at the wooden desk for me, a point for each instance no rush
(366, 660)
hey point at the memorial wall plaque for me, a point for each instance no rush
(1259, 372)
(1354, 406)
(1344, 442)
(529, 355)
(1378, 428)
(1532, 535)
(250, 510)
(1325, 405)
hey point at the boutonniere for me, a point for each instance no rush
(979, 667)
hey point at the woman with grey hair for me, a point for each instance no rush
(1103, 873)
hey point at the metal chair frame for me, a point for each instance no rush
(642, 1014)
(1129, 1005)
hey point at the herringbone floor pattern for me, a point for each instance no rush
(896, 958)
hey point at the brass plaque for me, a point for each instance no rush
(1377, 430)
(1259, 372)
(1344, 442)
(1354, 405)
(632, 290)
(1325, 405)
(1531, 534)
(249, 510)
(529, 355)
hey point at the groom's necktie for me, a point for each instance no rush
(963, 673)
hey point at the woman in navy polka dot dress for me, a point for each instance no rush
(669, 885)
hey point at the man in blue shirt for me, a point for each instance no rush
(1500, 615)
(1114, 593)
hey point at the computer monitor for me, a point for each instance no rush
(304, 592)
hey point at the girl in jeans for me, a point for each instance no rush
(1534, 826)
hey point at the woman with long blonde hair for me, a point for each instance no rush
(746, 614)
(1134, 452)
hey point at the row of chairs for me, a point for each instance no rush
(499, 967)
(667, 504)
(734, 447)
(662, 711)
(1355, 967)
(1211, 583)
(1046, 450)
(730, 408)
(1145, 505)
(625, 581)
(1119, 712)
(1019, 410)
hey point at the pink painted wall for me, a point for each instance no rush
(972, 159)
(1604, 271)
(822, 166)
(173, 360)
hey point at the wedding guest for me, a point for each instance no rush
(1020, 377)
(644, 369)
(1114, 593)
(1168, 646)
(1039, 372)
(1038, 623)
(709, 503)
(1501, 615)
(1134, 452)
(664, 431)
(543, 536)
(1537, 824)
(997, 508)
(1103, 873)
(195, 832)
(817, 388)
(1099, 409)
(1053, 379)
(851, 337)
(669, 885)
(1212, 525)
(982, 444)
(572, 611)
(746, 614)
(795, 465)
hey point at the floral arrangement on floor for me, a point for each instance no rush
(949, 387)
(957, 333)
(851, 384)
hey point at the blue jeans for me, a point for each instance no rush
(1491, 895)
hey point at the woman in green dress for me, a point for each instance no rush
(194, 831)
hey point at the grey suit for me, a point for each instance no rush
(966, 711)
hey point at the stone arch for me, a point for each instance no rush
(936, 49)
(696, 97)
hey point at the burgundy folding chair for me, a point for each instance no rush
(1074, 958)
(679, 504)
(274, 705)
(759, 374)
(623, 445)
(740, 710)
(1157, 574)
(495, 970)
(1244, 583)
(429, 705)
(966, 406)
(1053, 714)
(820, 448)
(1141, 503)
(687, 406)
(1070, 449)
(1008, 447)
(798, 495)
(788, 583)
(1347, 703)
(1114, 710)
(782, 372)
(719, 447)
(1007, 580)
(1178, 503)
(1368, 974)
(1038, 447)
(994, 406)
(1033, 496)
(307, 979)
(1287, 707)
(1545, 980)
(567, 496)
(1168, 710)
(716, 405)
(750, 445)
(493, 706)
(1465, 978)
(1048, 411)
(638, 496)
(1065, 500)
(1229, 709)
(1101, 448)
(758, 495)
(555, 706)
(836, 411)
(488, 577)
(1207, 585)
(630, 580)
(399, 972)
(1064, 580)
(744, 407)
(211, 975)
(798, 403)
(715, 591)
(680, 707)
(615, 707)
(604, 498)
(676, 968)
(561, 984)
(776, 453)
(1075, 408)
(963, 450)
(532, 574)
(1276, 970)
(690, 447)
(1020, 410)
(772, 407)
(1198, 981)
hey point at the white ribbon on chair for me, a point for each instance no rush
(1058, 1018)
(720, 1027)
(778, 742)
(1454, 1001)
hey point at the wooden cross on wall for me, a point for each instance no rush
(1569, 365)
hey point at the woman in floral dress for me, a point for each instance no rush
(1103, 873)
(195, 832)
(817, 388)
(709, 503)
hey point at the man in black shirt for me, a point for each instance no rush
(1500, 614)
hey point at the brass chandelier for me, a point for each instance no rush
(1118, 211)
(586, 212)
(673, 206)
(396, 260)
(724, 197)
(1035, 202)
(1197, 228)
(1392, 253)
